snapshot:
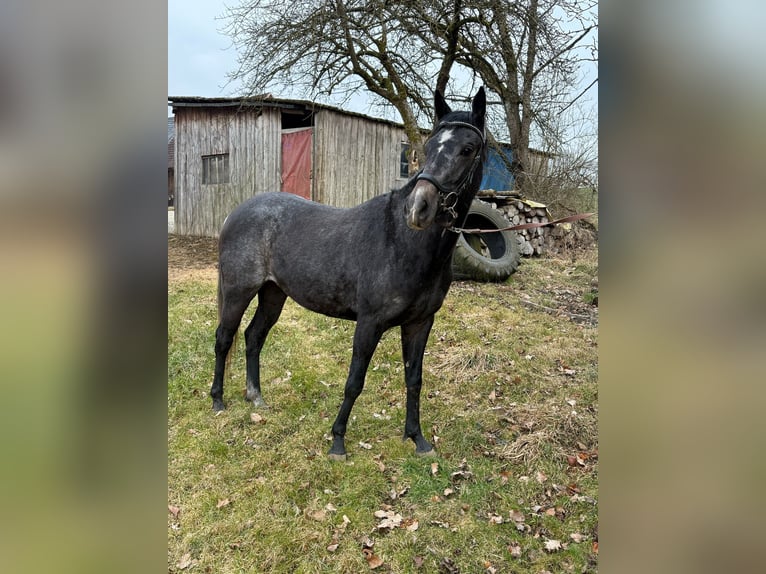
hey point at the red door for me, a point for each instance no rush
(296, 162)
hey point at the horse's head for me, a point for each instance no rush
(452, 170)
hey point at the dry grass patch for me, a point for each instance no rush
(516, 468)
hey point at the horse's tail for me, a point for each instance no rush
(232, 349)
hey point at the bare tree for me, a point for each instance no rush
(527, 53)
(337, 47)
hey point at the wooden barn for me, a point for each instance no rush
(229, 149)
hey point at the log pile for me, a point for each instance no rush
(517, 211)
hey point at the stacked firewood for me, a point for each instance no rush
(518, 211)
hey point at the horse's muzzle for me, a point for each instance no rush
(422, 205)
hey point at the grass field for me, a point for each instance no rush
(510, 400)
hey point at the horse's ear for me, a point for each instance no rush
(442, 109)
(479, 107)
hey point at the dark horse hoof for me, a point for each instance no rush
(425, 453)
(218, 405)
(336, 457)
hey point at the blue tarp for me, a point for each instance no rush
(496, 176)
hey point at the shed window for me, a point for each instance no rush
(215, 168)
(404, 161)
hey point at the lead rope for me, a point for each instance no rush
(524, 225)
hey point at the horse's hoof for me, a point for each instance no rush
(336, 457)
(259, 403)
(425, 453)
(218, 405)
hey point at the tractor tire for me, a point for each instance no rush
(487, 257)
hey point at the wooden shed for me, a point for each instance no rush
(229, 149)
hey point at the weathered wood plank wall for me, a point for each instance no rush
(355, 159)
(252, 140)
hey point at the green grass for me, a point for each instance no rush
(498, 375)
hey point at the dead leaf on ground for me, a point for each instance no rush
(517, 516)
(447, 566)
(418, 561)
(434, 468)
(552, 545)
(461, 475)
(373, 561)
(174, 510)
(495, 518)
(186, 561)
(577, 537)
(223, 502)
(388, 519)
(515, 550)
(394, 494)
(365, 445)
(332, 547)
(256, 418)
(448, 491)
(540, 477)
(318, 515)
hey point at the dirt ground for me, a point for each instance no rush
(197, 257)
(192, 257)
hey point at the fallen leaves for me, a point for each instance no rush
(373, 560)
(340, 529)
(552, 545)
(394, 494)
(174, 510)
(463, 472)
(577, 537)
(517, 516)
(388, 519)
(257, 419)
(318, 515)
(186, 561)
(223, 502)
(582, 458)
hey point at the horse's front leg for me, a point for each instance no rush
(414, 339)
(366, 337)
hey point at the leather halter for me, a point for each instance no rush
(445, 192)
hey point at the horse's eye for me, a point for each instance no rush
(468, 150)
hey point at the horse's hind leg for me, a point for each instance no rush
(233, 306)
(271, 299)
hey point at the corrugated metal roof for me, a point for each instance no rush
(266, 100)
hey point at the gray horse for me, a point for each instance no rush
(383, 263)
